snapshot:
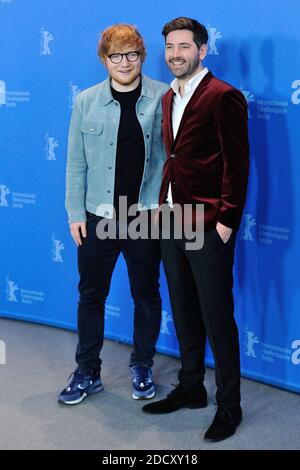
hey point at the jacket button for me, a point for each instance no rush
(109, 167)
(147, 160)
(108, 190)
(111, 143)
(148, 136)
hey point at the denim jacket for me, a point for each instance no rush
(92, 146)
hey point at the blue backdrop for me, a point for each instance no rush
(47, 55)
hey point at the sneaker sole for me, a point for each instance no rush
(143, 397)
(83, 396)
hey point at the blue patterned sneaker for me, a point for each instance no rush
(81, 385)
(142, 383)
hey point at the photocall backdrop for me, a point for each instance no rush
(47, 56)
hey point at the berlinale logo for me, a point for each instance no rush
(249, 223)
(51, 145)
(11, 288)
(57, 247)
(249, 97)
(74, 91)
(250, 340)
(214, 34)
(166, 318)
(46, 38)
(4, 191)
(296, 94)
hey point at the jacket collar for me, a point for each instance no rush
(192, 84)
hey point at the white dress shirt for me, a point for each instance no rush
(179, 104)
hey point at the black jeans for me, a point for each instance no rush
(200, 286)
(96, 262)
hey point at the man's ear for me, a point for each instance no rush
(203, 51)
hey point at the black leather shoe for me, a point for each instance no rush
(179, 398)
(224, 424)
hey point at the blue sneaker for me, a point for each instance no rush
(142, 383)
(81, 385)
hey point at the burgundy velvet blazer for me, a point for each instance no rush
(208, 162)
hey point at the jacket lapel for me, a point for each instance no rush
(167, 125)
(202, 85)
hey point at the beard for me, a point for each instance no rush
(187, 69)
(126, 79)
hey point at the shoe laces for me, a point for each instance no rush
(142, 376)
(76, 378)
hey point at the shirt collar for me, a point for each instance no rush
(147, 90)
(191, 85)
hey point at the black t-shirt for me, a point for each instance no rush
(130, 156)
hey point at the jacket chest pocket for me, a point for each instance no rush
(92, 132)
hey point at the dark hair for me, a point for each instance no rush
(198, 29)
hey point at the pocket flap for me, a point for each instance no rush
(91, 127)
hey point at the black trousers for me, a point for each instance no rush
(96, 261)
(200, 287)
